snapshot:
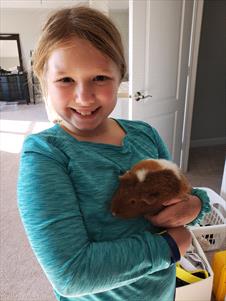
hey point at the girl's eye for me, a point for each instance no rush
(66, 80)
(101, 78)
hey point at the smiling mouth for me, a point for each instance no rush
(85, 113)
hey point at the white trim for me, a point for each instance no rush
(208, 142)
(223, 184)
(147, 50)
(194, 49)
(131, 40)
(180, 50)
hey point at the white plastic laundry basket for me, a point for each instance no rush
(200, 290)
(211, 233)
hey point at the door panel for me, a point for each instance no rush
(163, 48)
(166, 121)
(159, 43)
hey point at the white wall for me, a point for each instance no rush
(26, 22)
(121, 20)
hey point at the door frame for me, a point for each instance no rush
(192, 71)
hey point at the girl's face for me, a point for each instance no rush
(82, 85)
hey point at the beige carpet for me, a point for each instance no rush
(21, 277)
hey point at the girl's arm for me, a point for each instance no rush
(74, 264)
(191, 211)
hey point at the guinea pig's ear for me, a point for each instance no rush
(127, 175)
(129, 178)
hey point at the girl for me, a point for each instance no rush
(68, 174)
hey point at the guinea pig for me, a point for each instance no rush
(144, 189)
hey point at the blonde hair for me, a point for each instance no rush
(81, 22)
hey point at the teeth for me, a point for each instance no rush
(85, 113)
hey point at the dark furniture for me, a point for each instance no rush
(13, 78)
(14, 88)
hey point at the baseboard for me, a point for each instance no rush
(208, 142)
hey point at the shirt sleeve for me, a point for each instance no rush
(200, 193)
(54, 225)
(206, 207)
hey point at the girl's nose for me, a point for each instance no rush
(84, 94)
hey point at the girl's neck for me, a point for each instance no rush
(110, 133)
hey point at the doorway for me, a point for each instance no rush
(208, 133)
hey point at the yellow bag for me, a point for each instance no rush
(186, 277)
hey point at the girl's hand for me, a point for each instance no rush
(177, 212)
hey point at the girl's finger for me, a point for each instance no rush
(160, 219)
(172, 201)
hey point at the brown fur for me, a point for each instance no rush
(134, 198)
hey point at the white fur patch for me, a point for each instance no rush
(165, 164)
(141, 174)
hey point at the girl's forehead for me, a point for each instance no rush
(80, 53)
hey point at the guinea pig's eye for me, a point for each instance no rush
(132, 201)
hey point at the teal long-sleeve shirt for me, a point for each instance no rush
(65, 188)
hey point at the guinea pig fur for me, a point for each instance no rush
(143, 189)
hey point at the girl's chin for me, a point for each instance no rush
(86, 125)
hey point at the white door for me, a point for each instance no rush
(159, 40)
